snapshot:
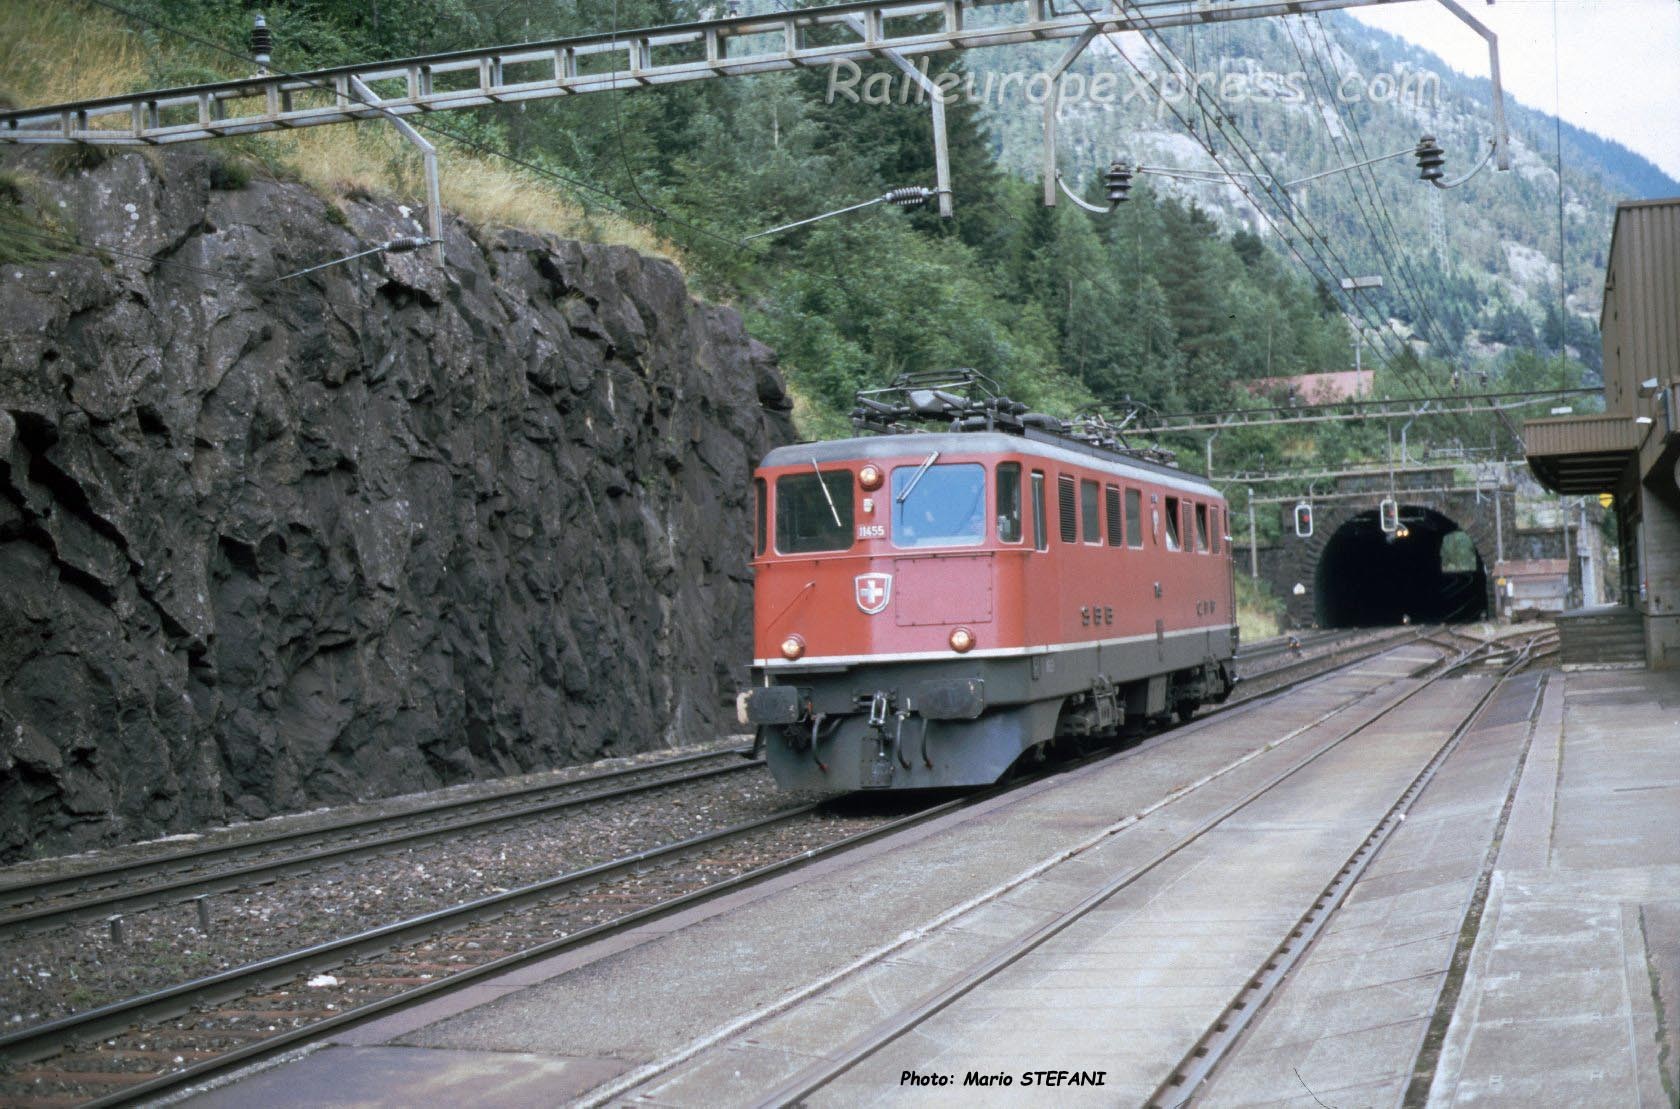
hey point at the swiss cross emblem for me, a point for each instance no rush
(873, 592)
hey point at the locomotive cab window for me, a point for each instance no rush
(1041, 534)
(761, 511)
(1218, 528)
(1088, 512)
(939, 506)
(1134, 518)
(1009, 502)
(1172, 525)
(1201, 528)
(808, 507)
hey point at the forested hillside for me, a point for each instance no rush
(1170, 302)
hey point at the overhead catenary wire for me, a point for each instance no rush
(1310, 236)
(1380, 226)
(1217, 118)
(467, 141)
(422, 124)
(1437, 331)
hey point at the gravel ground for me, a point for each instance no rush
(245, 831)
(55, 973)
(173, 1044)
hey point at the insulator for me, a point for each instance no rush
(911, 196)
(1430, 159)
(1118, 182)
(405, 244)
(262, 40)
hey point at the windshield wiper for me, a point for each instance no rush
(826, 496)
(917, 476)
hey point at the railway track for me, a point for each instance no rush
(131, 885)
(115, 1053)
(1198, 1063)
(111, 1054)
(1282, 644)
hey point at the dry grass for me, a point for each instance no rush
(57, 51)
(372, 158)
(50, 52)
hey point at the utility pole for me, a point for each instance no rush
(1253, 541)
(1351, 286)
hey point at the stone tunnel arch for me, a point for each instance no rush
(1366, 577)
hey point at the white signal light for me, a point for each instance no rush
(793, 647)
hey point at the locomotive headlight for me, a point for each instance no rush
(793, 647)
(870, 477)
(961, 640)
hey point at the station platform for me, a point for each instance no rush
(1515, 942)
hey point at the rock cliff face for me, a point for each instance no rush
(270, 543)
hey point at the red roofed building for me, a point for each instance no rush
(1318, 388)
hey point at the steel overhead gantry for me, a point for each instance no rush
(894, 30)
(1400, 408)
(729, 47)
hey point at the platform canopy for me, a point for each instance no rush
(1581, 454)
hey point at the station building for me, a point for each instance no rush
(1632, 449)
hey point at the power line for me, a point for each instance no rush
(1220, 119)
(1381, 228)
(420, 124)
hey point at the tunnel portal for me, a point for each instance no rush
(1367, 577)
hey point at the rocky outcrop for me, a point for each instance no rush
(270, 543)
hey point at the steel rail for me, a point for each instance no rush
(282, 1041)
(1222, 1035)
(173, 1000)
(1336, 656)
(130, 871)
(1278, 645)
(43, 1039)
(835, 1063)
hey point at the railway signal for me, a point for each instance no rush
(1388, 515)
(1303, 520)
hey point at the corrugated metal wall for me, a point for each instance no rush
(1642, 315)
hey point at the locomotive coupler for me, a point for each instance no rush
(878, 709)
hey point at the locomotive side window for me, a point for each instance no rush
(761, 509)
(1201, 528)
(1041, 534)
(807, 506)
(1217, 530)
(1134, 518)
(1185, 526)
(1067, 499)
(1009, 502)
(1089, 511)
(939, 506)
(1116, 522)
(1172, 525)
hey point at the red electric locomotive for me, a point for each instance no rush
(929, 604)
